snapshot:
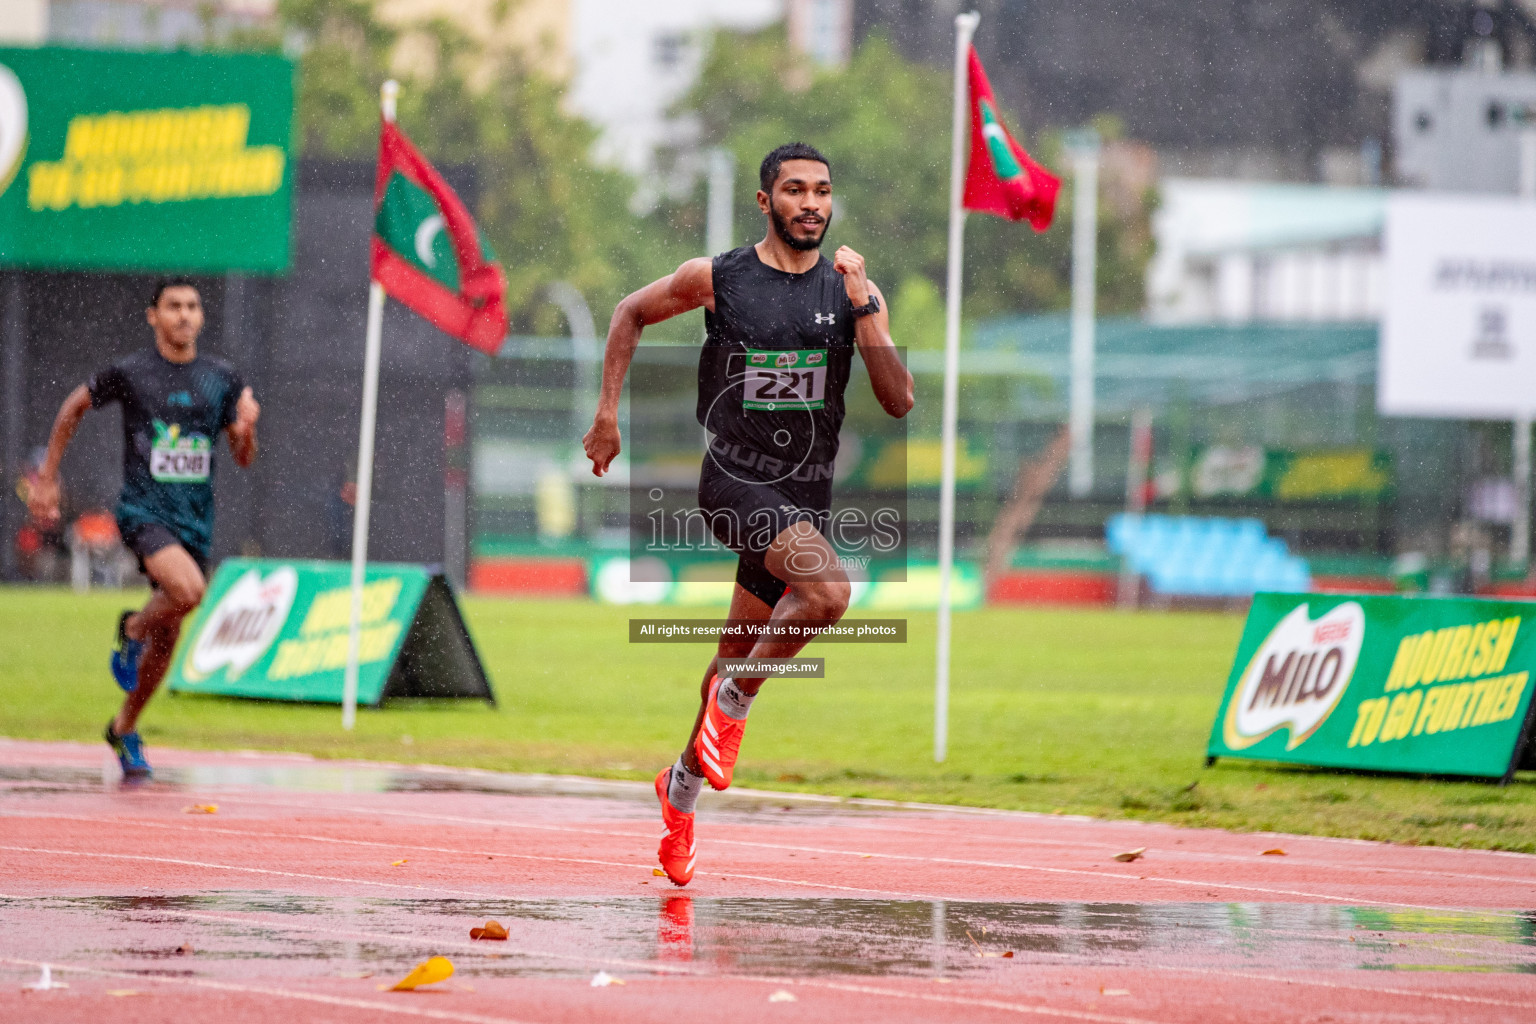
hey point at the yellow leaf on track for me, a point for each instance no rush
(1276, 852)
(1130, 855)
(429, 972)
(402, 862)
(201, 809)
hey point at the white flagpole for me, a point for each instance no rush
(965, 28)
(387, 96)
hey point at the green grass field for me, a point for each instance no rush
(1084, 712)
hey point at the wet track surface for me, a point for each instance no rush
(809, 937)
(314, 884)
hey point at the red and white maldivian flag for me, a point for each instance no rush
(1002, 178)
(427, 252)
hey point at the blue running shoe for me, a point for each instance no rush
(125, 659)
(130, 754)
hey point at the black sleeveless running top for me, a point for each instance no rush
(776, 358)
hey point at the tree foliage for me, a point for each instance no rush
(550, 213)
(884, 122)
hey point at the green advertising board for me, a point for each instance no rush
(1283, 475)
(117, 160)
(1438, 686)
(279, 630)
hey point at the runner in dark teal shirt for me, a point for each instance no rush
(172, 416)
(175, 402)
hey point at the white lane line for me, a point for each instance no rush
(872, 824)
(1342, 987)
(375, 1005)
(1189, 857)
(581, 787)
(476, 894)
(902, 894)
(1266, 839)
(955, 861)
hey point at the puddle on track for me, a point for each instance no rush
(324, 937)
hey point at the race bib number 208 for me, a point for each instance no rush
(785, 379)
(185, 463)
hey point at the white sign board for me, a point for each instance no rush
(1458, 336)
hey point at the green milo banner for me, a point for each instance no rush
(115, 160)
(1439, 686)
(279, 630)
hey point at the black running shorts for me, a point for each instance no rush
(144, 539)
(746, 514)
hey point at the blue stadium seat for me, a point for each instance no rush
(1206, 557)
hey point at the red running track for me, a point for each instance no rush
(289, 904)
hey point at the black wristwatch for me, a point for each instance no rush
(872, 306)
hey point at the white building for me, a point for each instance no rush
(633, 61)
(1237, 250)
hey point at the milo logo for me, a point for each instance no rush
(13, 125)
(759, 358)
(1297, 676)
(242, 625)
(179, 458)
(786, 359)
(814, 358)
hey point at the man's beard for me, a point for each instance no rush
(781, 228)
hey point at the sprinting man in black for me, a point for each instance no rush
(782, 322)
(175, 402)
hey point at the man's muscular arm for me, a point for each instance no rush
(43, 499)
(688, 288)
(889, 379)
(242, 432)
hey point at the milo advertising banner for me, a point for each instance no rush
(1439, 686)
(116, 160)
(279, 630)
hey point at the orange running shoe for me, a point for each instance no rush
(678, 847)
(719, 740)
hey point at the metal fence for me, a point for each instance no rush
(1263, 386)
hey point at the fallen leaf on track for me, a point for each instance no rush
(201, 809)
(1276, 852)
(1130, 855)
(1114, 991)
(400, 863)
(782, 996)
(602, 979)
(184, 949)
(492, 930)
(122, 992)
(658, 872)
(428, 972)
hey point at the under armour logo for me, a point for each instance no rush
(826, 318)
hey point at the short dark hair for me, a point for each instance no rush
(768, 173)
(173, 282)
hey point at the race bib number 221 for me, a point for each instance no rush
(785, 379)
